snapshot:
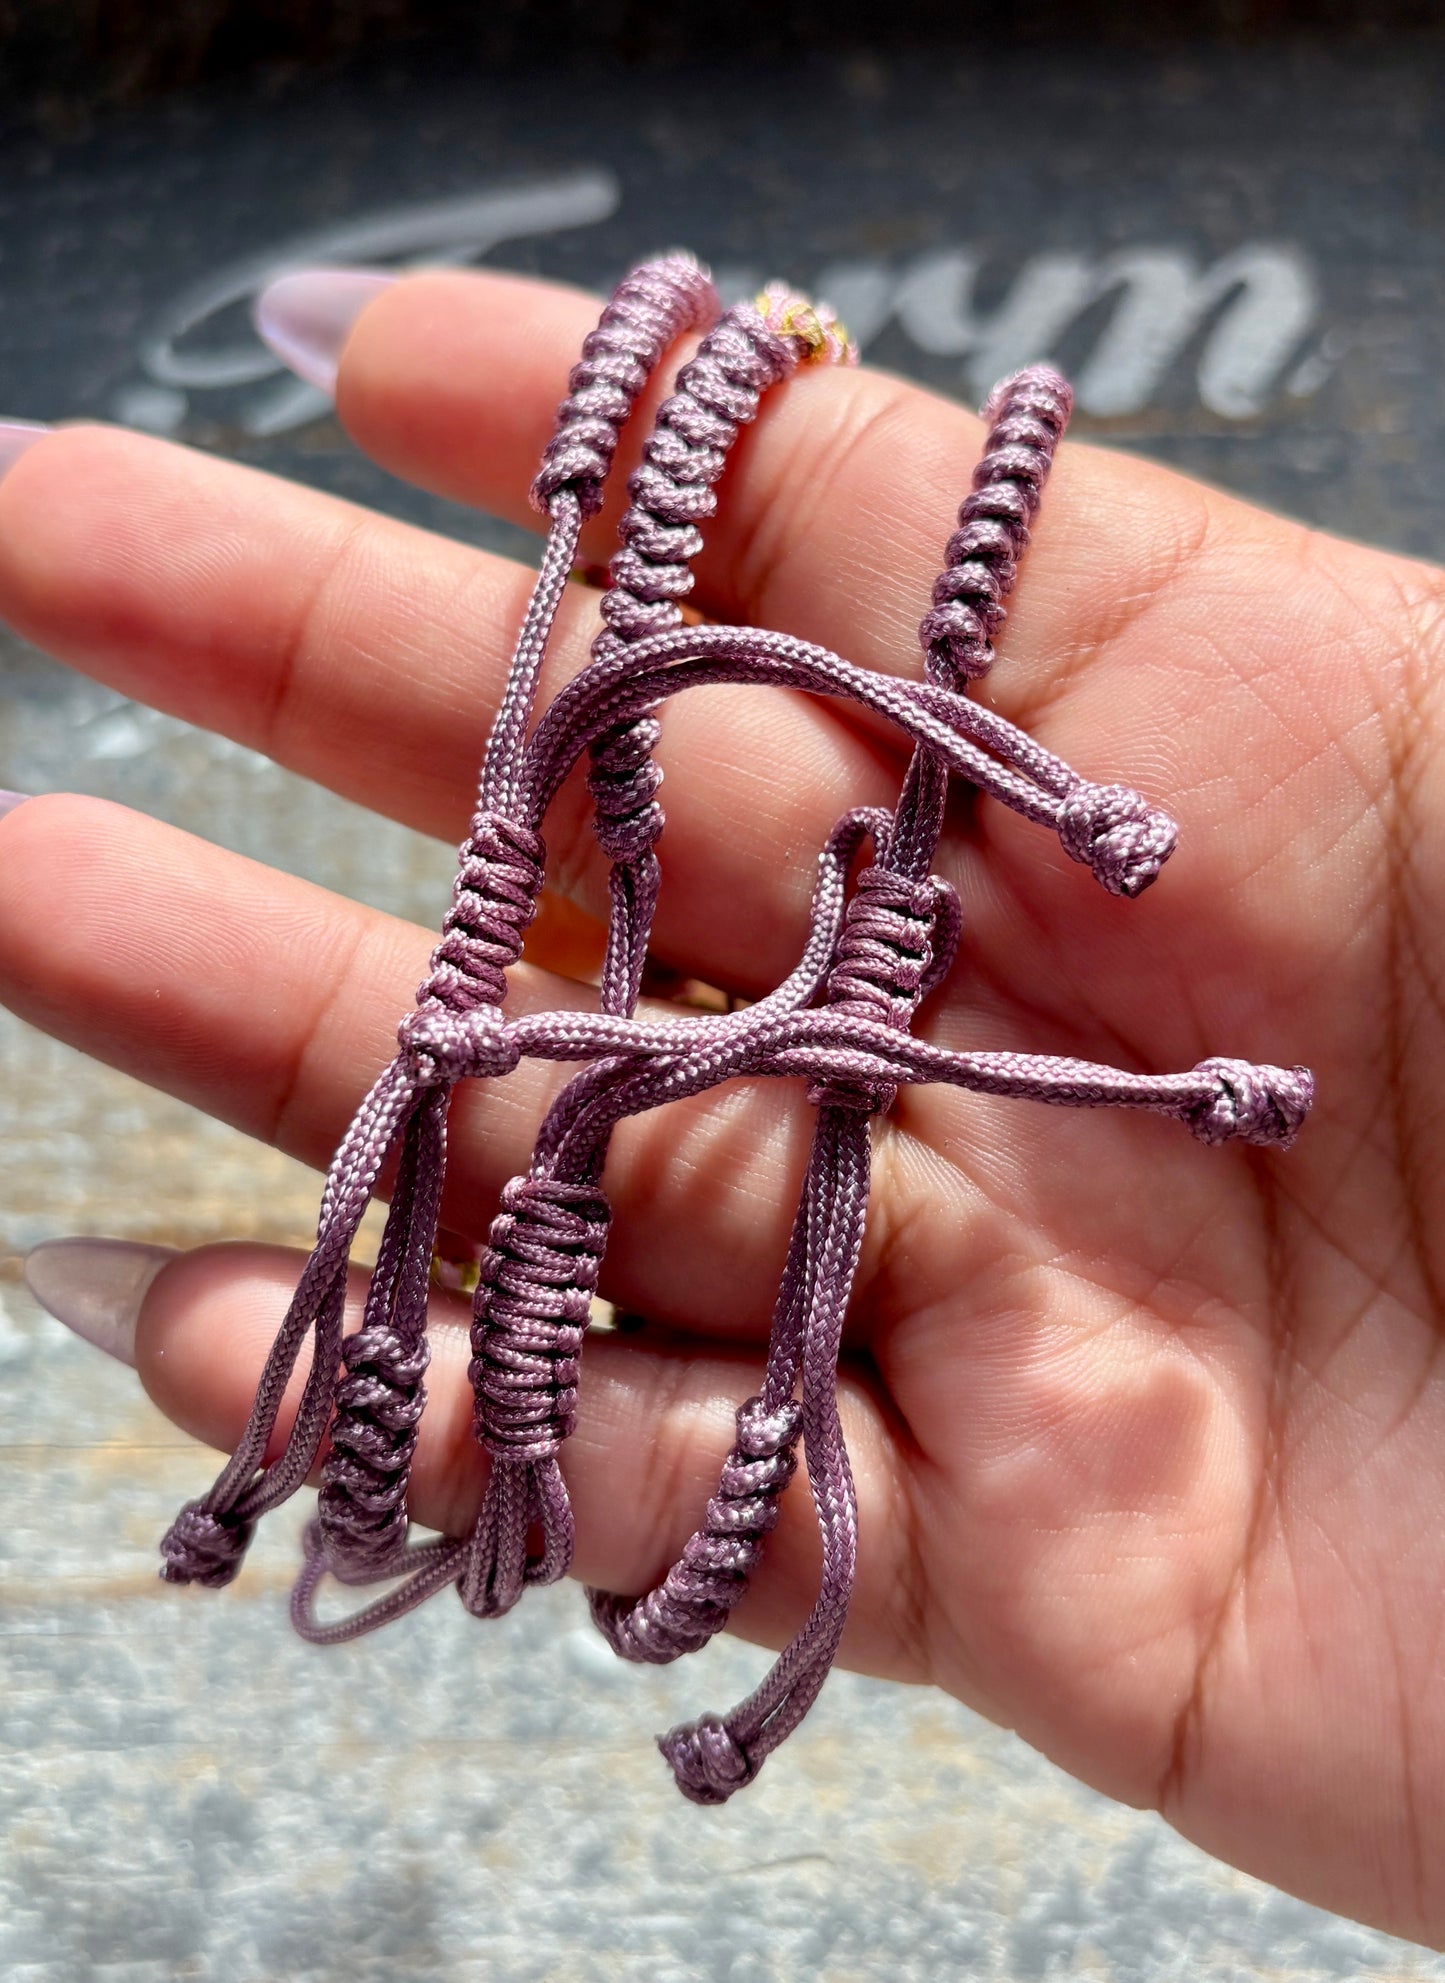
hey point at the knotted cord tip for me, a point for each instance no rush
(443, 1047)
(1262, 1105)
(1117, 833)
(200, 1547)
(707, 1760)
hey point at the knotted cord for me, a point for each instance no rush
(841, 1020)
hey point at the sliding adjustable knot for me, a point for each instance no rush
(379, 1402)
(499, 877)
(650, 307)
(885, 959)
(533, 1303)
(1117, 833)
(898, 940)
(624, 780)
(1257, 1104)
(443, 1047)
(200, 1547)
(693, 1602)
(708, 1760)
(1027, 415)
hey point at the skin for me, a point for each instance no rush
(1150, 1439)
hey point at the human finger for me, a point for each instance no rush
(1227, 661)
(836, 506)
(369, 656)
(655, 1420)
(272, 1003)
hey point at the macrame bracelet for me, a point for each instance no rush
(841, 1020)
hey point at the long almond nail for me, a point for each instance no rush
(96, 1287)
(307, 317)
(16, 437)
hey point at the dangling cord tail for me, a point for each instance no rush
(672, 491)
(890, 952)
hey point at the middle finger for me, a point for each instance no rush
(368, 655)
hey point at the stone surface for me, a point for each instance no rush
(1235, 254)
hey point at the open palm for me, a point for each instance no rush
(1150, 1439)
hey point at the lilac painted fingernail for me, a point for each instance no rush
(16, 436)
(96, 1287)
(10, 800)
(306, 317)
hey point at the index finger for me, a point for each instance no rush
(834, 510)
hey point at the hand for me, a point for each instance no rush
(1150, 1439)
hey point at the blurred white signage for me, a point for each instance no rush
(1247, 323)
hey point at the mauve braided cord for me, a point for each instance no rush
(884, 959)
(871, 955)
(499, 878)
(531, 1304)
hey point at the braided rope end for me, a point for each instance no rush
(707, 1760)
(201, 1547)
(442, 1047)
(1262, 1105)
(1117, 833)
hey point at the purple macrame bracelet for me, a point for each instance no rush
(879, 941)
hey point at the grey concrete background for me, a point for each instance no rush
(1237, 252)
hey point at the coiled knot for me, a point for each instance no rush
(532, 1307)
(499, 877)
(897, 942)
(695, 1599)
(747, 350)
(624, 779)
(672, 489)
(1114, 831)
(443, 1047)
(707, 1760)
(379, 1403)
(200, 1547)
(651, 307)
(1027, 415)
(1264, 1104)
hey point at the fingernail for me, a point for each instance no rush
(306, 318)
(96, 1287)
(15, 437)
(10, 800)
